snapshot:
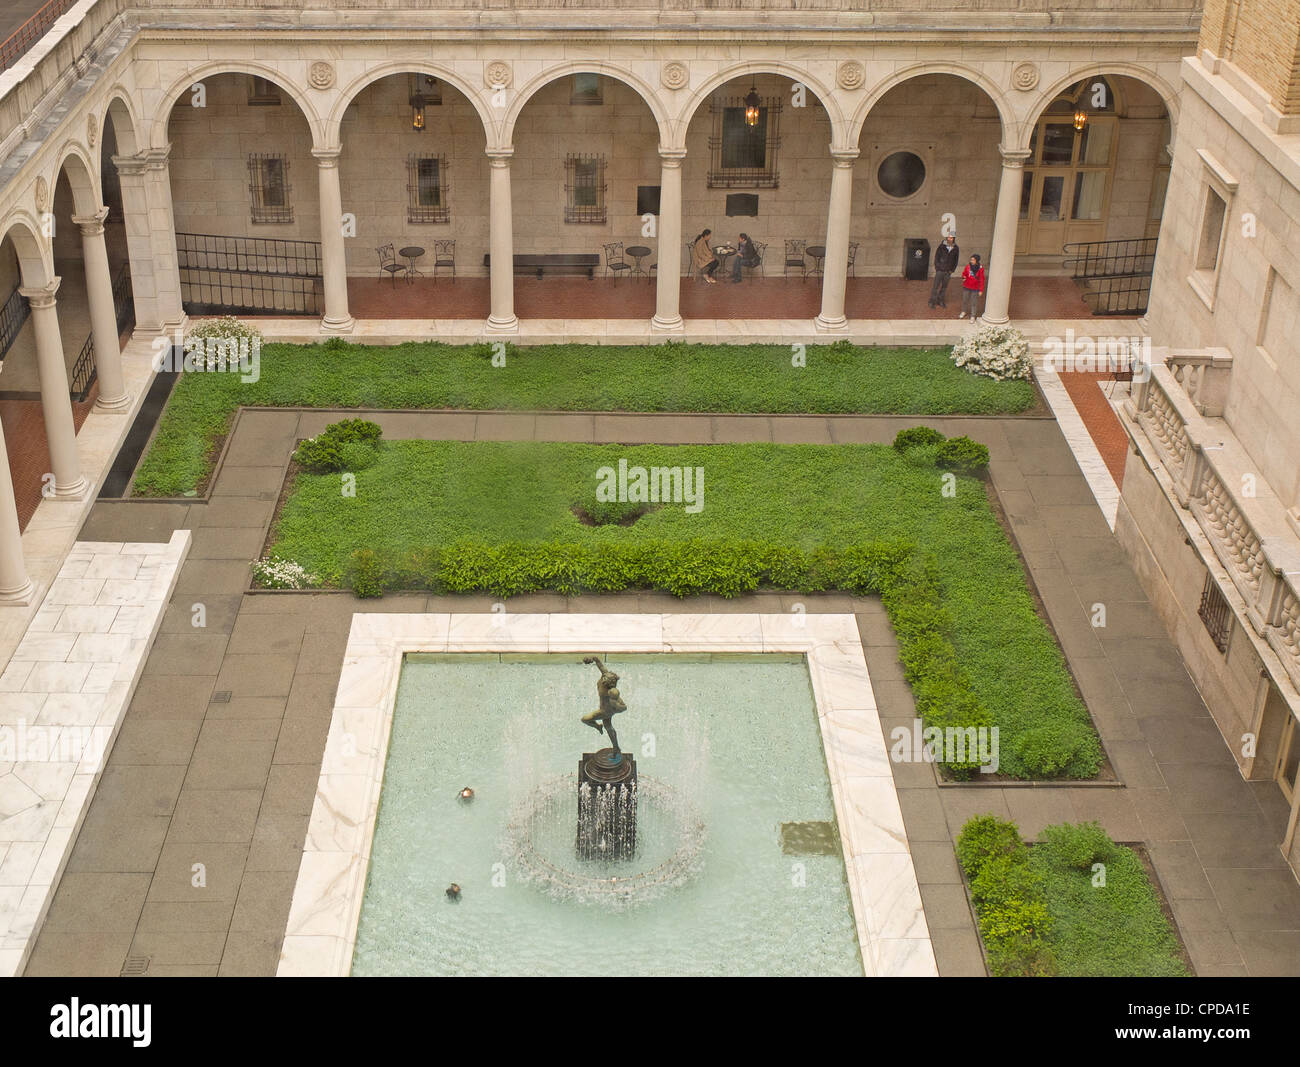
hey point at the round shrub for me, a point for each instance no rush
(962, 454)
(319, 455)
(915, 436)
(997, 352)
(984, 837)
(350, 444)
(350, 431)
(1057, 749)
(1079, 845)
(366, 573)
(357, 455)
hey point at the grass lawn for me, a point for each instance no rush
(1075, 904)
(806, 498)
(715, 378)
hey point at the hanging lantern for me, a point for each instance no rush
(1080, 119)
(752, 106)
(417, 117)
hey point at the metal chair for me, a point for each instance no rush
(691, 271)
(444, 255)
(794, 257)
(1123, 370)
(853, 255)
(614, 260)
(389, 262)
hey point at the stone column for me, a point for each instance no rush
(139, 243)
(334, 264)
(1006, 222)
(167, 275)
(56, 403)
(668, 286)
(835, 267)
(502, 244)
(103, 315)
(15, 586)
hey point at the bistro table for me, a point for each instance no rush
(638, 252)
(724, 253)
(818, 252)
(411, 253)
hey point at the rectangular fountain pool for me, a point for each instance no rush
(739, 868)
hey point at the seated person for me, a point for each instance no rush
(746, 256)
(703, 259)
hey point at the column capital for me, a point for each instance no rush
(844, 157)
(671, 157)
(1013, 157)
(130, 165)
(501, 157)
(327, 157)
(156, 158)
(93, 224)
(41, 296)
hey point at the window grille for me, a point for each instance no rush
(1215, 613)
(744, 156)
(584, 189)
(426, 188)
(268, 187)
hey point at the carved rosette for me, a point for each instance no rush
(42, 194)
(497, 74)
(851, 75)
(675, 75)
(1025, 76)
(321, 75)
(92, 130)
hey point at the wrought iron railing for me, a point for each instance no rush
(1128, 295)
(123, 299)
(250, 275)
(83, 372)
(13, 313)
(16, 44)
(1116, 274)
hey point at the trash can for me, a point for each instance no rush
(916, 259)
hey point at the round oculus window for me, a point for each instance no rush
(901, 174)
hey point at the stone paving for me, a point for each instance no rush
(190, 852)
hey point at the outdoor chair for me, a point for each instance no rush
(794, 257)
(390, 263)
(760, 250)
(614, 260)
(444, 255)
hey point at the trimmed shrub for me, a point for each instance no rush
(962, 454)
(1057, 749)
(320, 455)
(985, 837)
(351, 444)
(350, 431)
(366, 573)
(914, 436)
(1079, 845)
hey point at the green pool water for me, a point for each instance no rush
(728, 749)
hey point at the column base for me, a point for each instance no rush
(328, 325)
(71, 491)
(114, 405)
(675, 324)
(510, 325)
(822, 324)
(989, 320)
(20, 596)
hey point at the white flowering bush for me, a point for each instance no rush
(224, 341)
(282, 574)
(997, 352)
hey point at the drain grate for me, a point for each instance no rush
(135, 966)
(221, 696)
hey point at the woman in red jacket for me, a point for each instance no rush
(972, 288)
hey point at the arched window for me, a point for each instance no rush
(1066, 193)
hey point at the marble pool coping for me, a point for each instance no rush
(326, 909)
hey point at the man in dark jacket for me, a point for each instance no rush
(946, 258)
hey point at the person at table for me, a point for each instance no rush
(746, 256)
(946, 258)
(703, 259)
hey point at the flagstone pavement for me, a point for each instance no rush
(218, 755)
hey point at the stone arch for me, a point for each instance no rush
(82, 179)
(121, 112)
(775, 66)
(35, 262)
(1128, 70)
(920, 70)
(158, 129)
(354, 88)
(552, 74)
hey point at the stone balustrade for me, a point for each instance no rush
(1204, 375)
(1214, 479)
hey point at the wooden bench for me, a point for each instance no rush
(559, 262)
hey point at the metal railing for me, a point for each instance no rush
(249, 275)
(84, 372)
(123, 299)
(16, 44)
(1116, 275)
(1118, 296)
(13, 313)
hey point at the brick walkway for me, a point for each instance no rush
(220, 751)
(28, 448)
(767, 298)
(1086, 391)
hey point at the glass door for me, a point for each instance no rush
(1047, 210)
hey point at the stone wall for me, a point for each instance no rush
(1256, 306)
